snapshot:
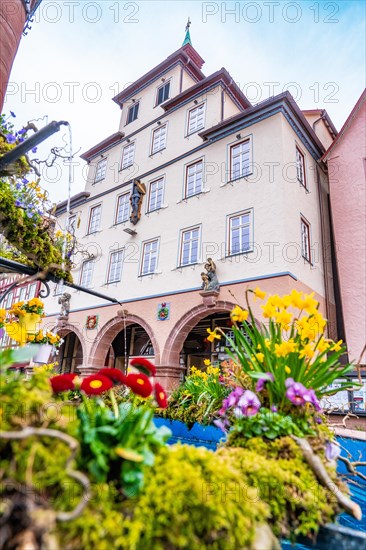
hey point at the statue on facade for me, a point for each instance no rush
(64, 302)
(138, 192)
(205, 280)
(209, 279)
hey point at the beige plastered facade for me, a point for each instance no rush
(271, 193)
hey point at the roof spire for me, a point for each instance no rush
(187, 39)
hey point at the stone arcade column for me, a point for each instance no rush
(87, 370)
(170, 377)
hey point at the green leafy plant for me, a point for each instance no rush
(199, 398)
(270, 425)
(118, 441)
(118, 448)
(291, 345)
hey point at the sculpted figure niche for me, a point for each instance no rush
(209, 279)
(138, 192)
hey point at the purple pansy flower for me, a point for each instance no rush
(268, 377)
(296, 393)
(274, 409)
(289, 382)
(25, 181)
(222, 424)
(318, 420)
(332, 451)
(18, 203)
(248, 404)
(10, 138)
(21, 132)
(310, 397)
(231, 399)
(34, 150)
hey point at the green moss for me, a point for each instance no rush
(192, 497)
(298, 503)
(196, 506)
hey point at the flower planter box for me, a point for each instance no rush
(43, 354)
(348, 535)
(198, 435)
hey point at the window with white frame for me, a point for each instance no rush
(115, 266)
(149, 257)
(32, 291)
(305, 240)
(156, 191)
(240, 160)
(123, 208)
(193, 183)
(133, 112)
(22, 293)
(86, 273)
(94, 218)
(163, 93)
(159, 139)
(300, 167)
(101, 170)
(240, 233)
(189, 246)
(128, 155)
(9, 300)
(196, 119)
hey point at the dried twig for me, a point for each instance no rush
(319, 470)
(351, 466)
(73, 445)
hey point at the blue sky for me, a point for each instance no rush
(79, 54)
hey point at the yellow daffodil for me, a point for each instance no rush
(307, 351)
(212, 335)
(238, 315)
(258, 293)
(287, 370)
(275, 301)
(207, 362)
(323, 345)
(337, 346)
(268, 310)
(286, 301)
(260, 357)
(296, 299)
(283, 349)
(283, 318)
(310, 304)
(215, 371)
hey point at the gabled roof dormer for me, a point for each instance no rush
(187, 57)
